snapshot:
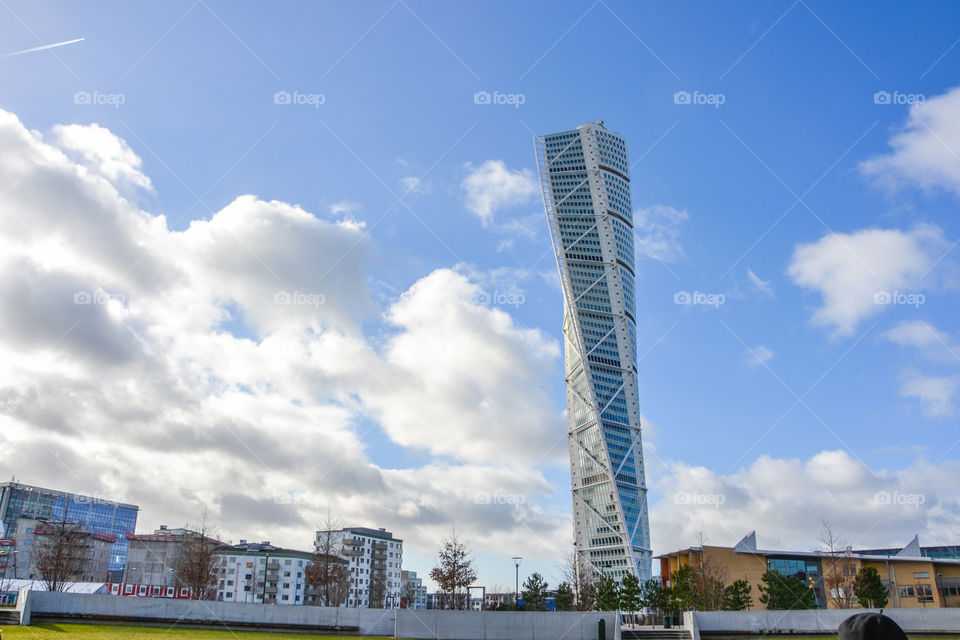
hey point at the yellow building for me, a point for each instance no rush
(914, 576)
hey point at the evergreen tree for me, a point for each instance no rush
(534, 593)
(608, 594)
(630, 593)
(781, 593)
(869, 588)
(683, 589)
(654, 596)
(565, 597)
(736, 597)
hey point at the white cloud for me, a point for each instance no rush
(870, 508)
(934, 393)
(657, 230)
(232, 356)
(345, 208)
(761, 285)
(416, 186)
(917, 333)
(492, 187)
(758, 355)
(102, 152)
(853, 271)
(927, 152)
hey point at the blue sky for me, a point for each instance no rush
(787, 200)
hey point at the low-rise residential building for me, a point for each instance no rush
(30, 533)
(413, 593)
(914, 576)
(261, 572)
(375, 558)
(152, 558)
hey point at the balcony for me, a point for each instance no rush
(380, 546)
(379, 555)
(351, 542)
(273, 566)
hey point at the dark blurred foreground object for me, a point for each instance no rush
(870, 626)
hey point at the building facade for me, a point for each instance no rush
(99, 515)
(261, 572)
(153, 558)
(912, 577)
(585, 180)
(375, 558)
(413, 593)
(30, 533)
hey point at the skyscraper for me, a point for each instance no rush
(585, 179)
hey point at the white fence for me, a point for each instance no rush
(504, 625)
(43, 604)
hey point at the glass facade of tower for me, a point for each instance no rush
(99, 515)
(585, 179)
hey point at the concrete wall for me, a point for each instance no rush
(504, 625)
(39, 603)
(821, 620)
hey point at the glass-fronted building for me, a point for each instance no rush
(585, 179)
(99, 515)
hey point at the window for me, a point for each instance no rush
(907, 592)
(923, 574)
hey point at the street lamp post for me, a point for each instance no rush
(516, 587)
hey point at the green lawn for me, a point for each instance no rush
(52, 631)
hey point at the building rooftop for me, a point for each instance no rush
(256, 548)
(748, 545)
(66, 494)
(376, 533)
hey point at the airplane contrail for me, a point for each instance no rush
(42, 47)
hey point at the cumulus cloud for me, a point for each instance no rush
(867, 507)
(492, 187)
(657, 230)
(100, 151)
(227, 366)
(858, 274)
(927, 152)
(935, 394)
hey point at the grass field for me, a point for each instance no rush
(52, 631)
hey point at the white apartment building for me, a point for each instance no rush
(374, 556)
(261, 572)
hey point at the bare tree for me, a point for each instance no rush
(710, 581)
(839, 569)
(454, 573)
(408, 594)
(582, 578)
(198, 568)
(377, 587)
(62, 553)
(328, 573)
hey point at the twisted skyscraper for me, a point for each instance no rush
(585, 178)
